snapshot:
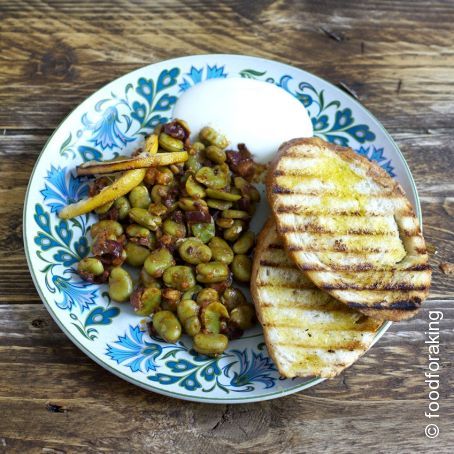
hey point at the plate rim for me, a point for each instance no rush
(150, 387)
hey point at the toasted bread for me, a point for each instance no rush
(349, 226)
(307, 332)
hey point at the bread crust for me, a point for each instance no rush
(259, 249)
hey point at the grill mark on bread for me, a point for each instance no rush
(377, 286)
(271, 286)
(402, 305)
(357, 268)
(313, 192)
(351, 345)
(320, 230)
(421, 267)
(411, 233)
(275, 264)
(275, 246)
(280, 190)
(361, 268)
(328, 328)
(340, 247)
(314, 211)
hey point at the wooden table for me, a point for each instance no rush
(396, 55)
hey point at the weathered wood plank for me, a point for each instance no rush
(30, 337)
(402, 76)
(50, 369)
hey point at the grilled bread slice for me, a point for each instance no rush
(350, 227)
(307, 332)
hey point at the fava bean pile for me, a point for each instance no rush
(186, 226)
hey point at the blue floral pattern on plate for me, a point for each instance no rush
(113, 121)
(183, 366)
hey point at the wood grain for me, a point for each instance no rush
(89, 46)
(397, 55)
(384, 382)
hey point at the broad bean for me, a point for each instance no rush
(174, 229)
(232, 233)
(194, 251)
(179, 277)
(107, 227)
(135, 254)
(139, 197)
(243, 316)
(221, 251)
(169, 143)
(146, 300)
(123, 206)
(167, 326)
(120, 285)
(212, 315)
(212, 272)
(210, 344)
(211, 137)
(232, 298)
(244, 243)
(204, 231)
(158, 261)
(143, 217)
(187, 309)
(241, 268)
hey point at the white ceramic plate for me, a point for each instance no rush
(113, 120)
